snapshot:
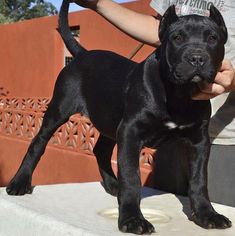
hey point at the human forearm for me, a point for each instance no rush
(139, 26)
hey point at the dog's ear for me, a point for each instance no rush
(218, 19)
(167, 19)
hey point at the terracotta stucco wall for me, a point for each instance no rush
(30, 55)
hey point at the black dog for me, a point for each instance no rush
(137, 105)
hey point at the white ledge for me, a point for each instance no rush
(87, 210)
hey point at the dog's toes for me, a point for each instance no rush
(136, 225)
(19, 185)
(212, 220)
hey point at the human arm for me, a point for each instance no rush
(224, 82)
(142, 27)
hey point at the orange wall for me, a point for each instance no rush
(32, 53)
(30, 56)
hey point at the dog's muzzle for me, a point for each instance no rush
(197, 60)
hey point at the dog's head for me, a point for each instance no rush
(192, 46)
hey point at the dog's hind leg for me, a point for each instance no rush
(103, 152)
(54, 117)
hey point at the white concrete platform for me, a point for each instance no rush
(85, 209)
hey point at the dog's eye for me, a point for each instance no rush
(178, 38)
(212, 39)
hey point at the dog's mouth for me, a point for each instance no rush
(197, 78)
(188, 75)
(193, 78)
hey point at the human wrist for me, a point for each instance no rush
(103, 5)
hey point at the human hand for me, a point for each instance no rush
(224, 82)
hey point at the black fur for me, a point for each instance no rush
(137, 105)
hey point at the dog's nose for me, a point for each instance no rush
(196, 59)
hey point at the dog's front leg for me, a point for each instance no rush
(131, 219)
(203, 213)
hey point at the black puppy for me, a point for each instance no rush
(137, 105)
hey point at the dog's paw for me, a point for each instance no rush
(212, 220)
(111, 186)
(136, 225)
(20, 185)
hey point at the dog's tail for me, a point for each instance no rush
(71, 43)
